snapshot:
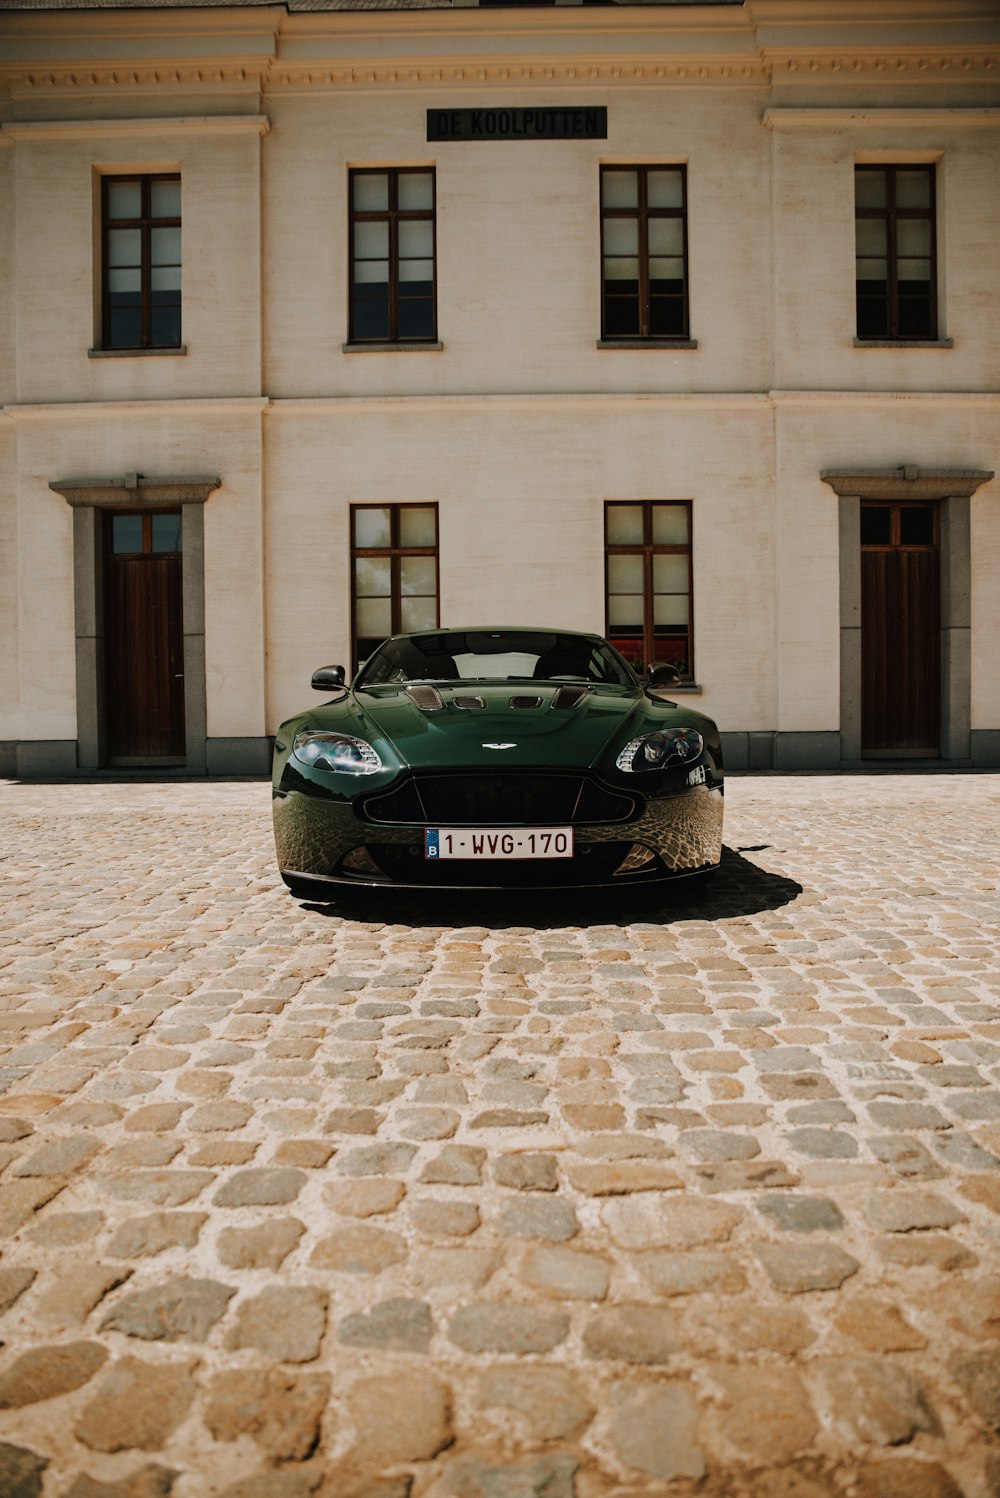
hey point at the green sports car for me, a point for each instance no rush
(495, 758)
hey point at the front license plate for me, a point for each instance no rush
(488, 842)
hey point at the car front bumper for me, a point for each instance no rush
(323, 841)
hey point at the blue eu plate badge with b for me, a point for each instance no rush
(432, 846)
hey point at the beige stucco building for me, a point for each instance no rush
(676, 322)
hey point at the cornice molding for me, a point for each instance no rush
(967, 65)
(905, 482)
(230, 124)
(350, 405)
(303, 74)
(861, 12)
(319, 73)
(989, 399)
(134, 489)
(779, 118)
(326, 405)
(114, 410)
(651, 67)
(31, 83)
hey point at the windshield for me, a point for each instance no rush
(496, 655)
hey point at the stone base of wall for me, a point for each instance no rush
(824, 752)
(40, 758)
(781, 751)
(985, 748)
(46, 759)
(238, 756)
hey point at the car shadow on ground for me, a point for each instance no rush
(738, 888)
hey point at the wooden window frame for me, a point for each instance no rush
(393, 216)
(648, 549)
(145, 223)
(395, 552)
(146, 550)
(890, 214)
(895, 508)
(643, 213)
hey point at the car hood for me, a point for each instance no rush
(499, 733)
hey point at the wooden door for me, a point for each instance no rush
(900, 632)
(144, 636)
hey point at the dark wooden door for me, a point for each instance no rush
(144, 635)
(900, 632)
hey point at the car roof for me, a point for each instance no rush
(500, 629)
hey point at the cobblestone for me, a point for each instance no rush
(279, 1410)
(638, 1196)
(178, 1310)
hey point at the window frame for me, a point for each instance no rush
(890, 214)
(896, 508)
(395, 551)
(642, 213)
(145, 223)
(392, 215)
(146, 516)
(648, 549)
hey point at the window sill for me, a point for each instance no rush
(135, 353)
(392, 348)
(632, 343)
(904, 343)
(678, 689)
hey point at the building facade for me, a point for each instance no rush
(675, 322)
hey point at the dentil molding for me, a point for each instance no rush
(687, 68)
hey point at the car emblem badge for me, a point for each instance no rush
(499, 746)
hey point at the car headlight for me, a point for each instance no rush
(667, 746)
(335, 751)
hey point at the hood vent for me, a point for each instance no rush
(469, 703)
(570, 694)
(428, 699)
(526, 702)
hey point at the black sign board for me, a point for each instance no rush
(542, 122)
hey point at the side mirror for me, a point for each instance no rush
(329, 679)
(663, 675)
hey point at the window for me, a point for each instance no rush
(146, 533)
(141, 233)
(648, 560)
(394, 572)
(896, 274)
(392, 256)
(899, 524)
(644, 252)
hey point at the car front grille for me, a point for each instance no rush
(526, 799)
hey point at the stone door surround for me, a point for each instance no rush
(88, 498)
(952, 488)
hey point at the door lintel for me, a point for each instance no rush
(135, 489)
(905, 482)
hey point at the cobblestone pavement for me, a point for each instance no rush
(547, 1198)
